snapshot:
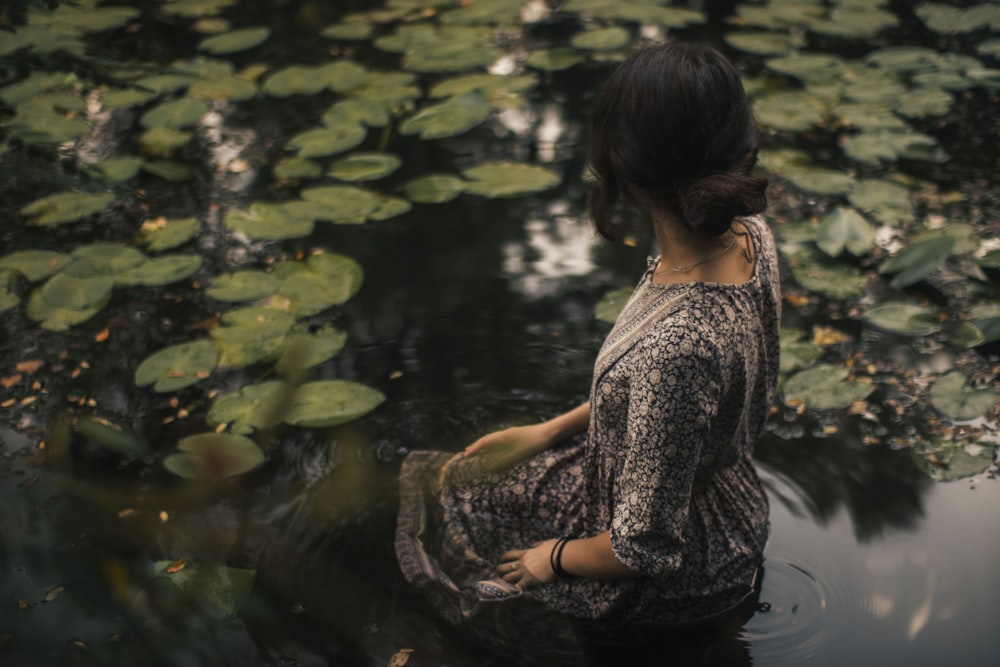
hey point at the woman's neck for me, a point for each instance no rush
(679, 245)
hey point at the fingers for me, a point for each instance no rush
(513, 554)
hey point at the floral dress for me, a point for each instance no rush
(681, 389)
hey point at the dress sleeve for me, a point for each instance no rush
(673, 398)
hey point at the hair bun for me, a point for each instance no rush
(709, 204)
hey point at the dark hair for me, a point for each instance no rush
(673, 128)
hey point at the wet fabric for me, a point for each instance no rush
(681, 390)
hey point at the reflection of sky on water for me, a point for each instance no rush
(556, 249)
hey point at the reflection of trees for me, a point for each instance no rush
(880, 488)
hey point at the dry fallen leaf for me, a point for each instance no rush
(29, 366)
(828, 336)
(400, 658)
(102, 336)
(125, 513)
(164, 517)
(395, 375)
(176, 566)
(10, 380)
(53, 593)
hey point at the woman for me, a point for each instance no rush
(641, 508)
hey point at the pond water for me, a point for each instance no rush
(473, 313)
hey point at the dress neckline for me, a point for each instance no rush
(752, 229)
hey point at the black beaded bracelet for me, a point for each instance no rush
(555, 557)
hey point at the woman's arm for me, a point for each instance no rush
(502, 449)
(588, 557)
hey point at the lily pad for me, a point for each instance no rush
(601, 39)
(331, 402)
(271, 222)
(947, 19)
(162, 141)
(954, 397)
(55, 318)
(434, 188)
(508, 179)
(251, 342)
(104, 260)
(255, 316)
(170, 170)
(908, 319)
(252, 407)
(428, 48)
(110, 436)
(825, 387)
(499, 90)
(611, 304)
(325, 141)
(235, 88)
(302, 350)
(348, 31)
(946, 460)
(796, 354)
(965, 335)
(845, 229)
(35, 265)
(346, 204)
(298, 168)
(923, 102)
(371, 113)
(552, 60)
(214, 456)
(236, 40)
(62, 291)
(449, 118)
(764, 43)
(818, 273)
(161, 271)
(8, 295)
(177, 366)
(809, 67)
(196, 8)
(66, 207)
(965, 236)
(325, 280)
(117, 170)
(293, 80)
(917, 261)
(821, 181)
(164, 234)
(175, 114)
(883, 200)
(794, 111)
(365, 166)
(886, 145)
(243, 286)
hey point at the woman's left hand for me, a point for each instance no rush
(528, 567)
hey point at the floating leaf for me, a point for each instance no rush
(161, 271)
(243, 286)
(434, 188)
(508, 179)
(35, 265)
(642, 11)
(237, 40)
(214, 456)
(66, 207)
(303, 350)
(55, 318)
(923, 102)
(954, 397)
(796, 354)
(945, 460)
(365, 112)
(764, 43)
(104, 260)
(308, 293)
(965, 335)
(177, 366)
(809, 67)
(611, 304)
(825, 387)
(497, 89)
(552, 60)
(163, 234)
(331, 402)
(62, 291)
(252, 316)
(175, 114)
(296, 168)
(843, 228)
(428, 48)
(8, 294)
(917, 261)
(449, 118)
(886, 145)
(196, 8)
(346, 204)
(348, 31)
(270, 222)
(908, 319)
(794, 111)
(251, 407)
(205, 589)
(294, 80)
(170, 170)
(817, 273)
(325, 141)
(885, 201)
(117, 170)
(821, 181)
(601, 39)
(947, 19)
(965, 236)
(162, 140)
(250, 343)
(235, 88)
(110, 436)
(365, 166)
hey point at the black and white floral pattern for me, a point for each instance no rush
(681, 390)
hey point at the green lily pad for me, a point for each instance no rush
(177, 366)
(856, 22)
(944, 460)
(243, 286)
(325, 141)
(986, 317)
(428, 48)
(821, 275)
(169, 170)
(365, 166)
(642, 11)
(35, 265)
(175, 114)
(434, 188)
(918, 260)
(907, 319)
(169, 234)
(904, 58)
(821, 181)
(965, 335)
(120, 169)
(886, 145)
(54, 318)
(214, 456)
(297, 168)
(990, 260)
(883, 200)
(601, 39)
(325, 280)
(206, 587)
(66, 207)
(497, 89)
(270, 222)
(161, 271)
(348, 31)
(104, 260)
(946, 80)
(252, 407)
(370, 113)
(794, 111)
(449, 118)
(946, 19)
(62, 291)
(346, 204)
(845, 229)
(86, 19)
(393, 90)
(553, 60)
(196, 8)
(796, 354)
(984, 76)
(302, 350)
(235, 88)
(250, 343)
(989, 47)
(954, 397)
(923, 102)
(236, 40)
(764, 43)
(508, 179)
(478, 13)
(611, 304)
(331, 402)
(162, 141)
(809, 67)
(825, 387)
(965, 236)
(293, 80)
(8, 295)
(256, 316)
(168, 82)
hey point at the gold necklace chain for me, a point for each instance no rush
(716, 255)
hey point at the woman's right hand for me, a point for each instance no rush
(502, 449)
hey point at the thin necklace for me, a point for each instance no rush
(688, 268)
